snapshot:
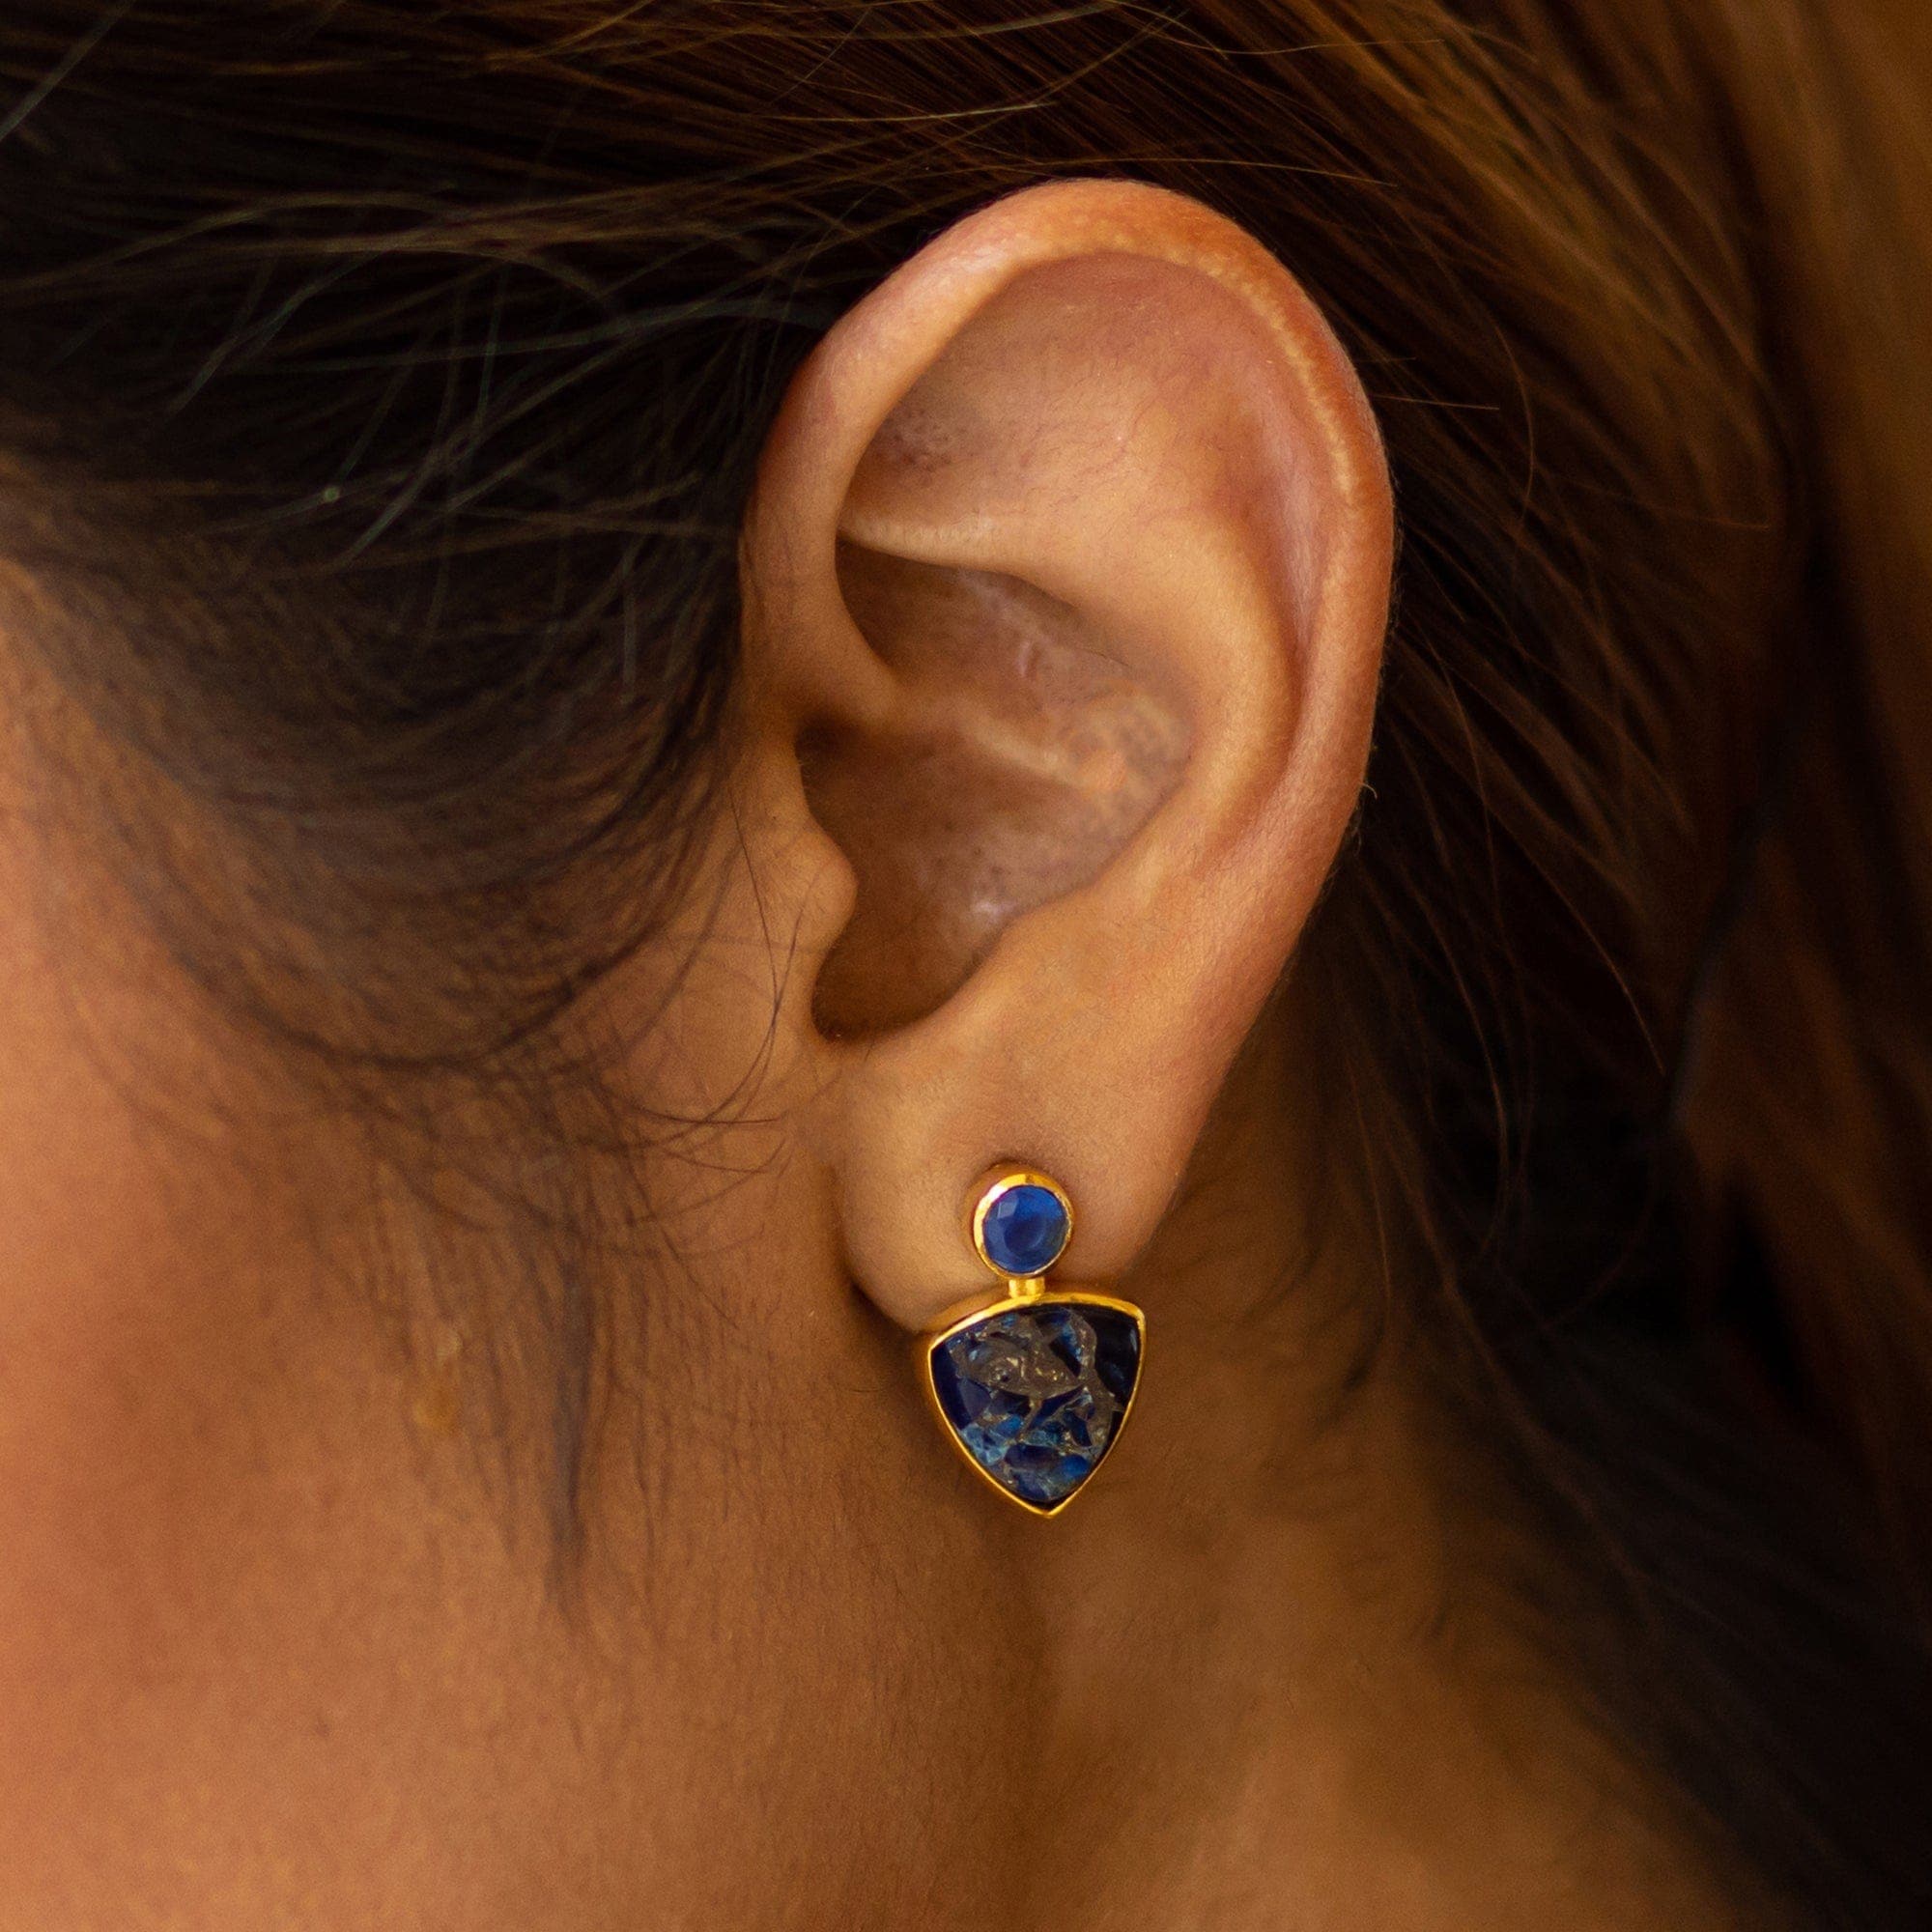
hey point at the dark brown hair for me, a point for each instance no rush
(380, 387)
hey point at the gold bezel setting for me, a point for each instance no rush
(995, 1189)
(1037, 1297)
(1028, 1289)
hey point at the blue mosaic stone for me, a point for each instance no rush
(1025, 1230)
(1036, 1393)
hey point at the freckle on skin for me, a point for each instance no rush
(438, 1407)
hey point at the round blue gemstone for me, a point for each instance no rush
(1025, 1230)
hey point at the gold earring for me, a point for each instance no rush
(1035, 1387)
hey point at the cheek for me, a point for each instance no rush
(278, 1644)
(252, 1643)
(824, 1614)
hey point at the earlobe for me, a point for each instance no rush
(1070, 560)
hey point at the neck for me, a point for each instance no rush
(1284, 1687)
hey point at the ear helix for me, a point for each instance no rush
(1033, 1386)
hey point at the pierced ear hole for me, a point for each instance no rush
(1022, 758)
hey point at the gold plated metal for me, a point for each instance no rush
(1097, 1326)
(931, 1343)
(991, 1191)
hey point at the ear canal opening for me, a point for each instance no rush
(1021, 756)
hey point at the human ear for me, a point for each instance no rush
(1067, 573)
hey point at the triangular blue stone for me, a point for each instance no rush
(1035, 1392)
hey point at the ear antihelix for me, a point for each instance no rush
(1034, 1385)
